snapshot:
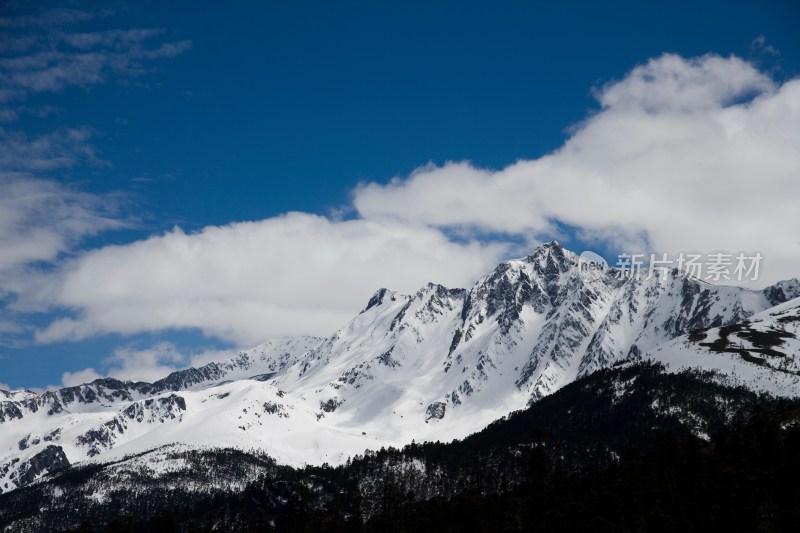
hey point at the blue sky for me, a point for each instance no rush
(137, 118)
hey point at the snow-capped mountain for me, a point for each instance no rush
(435, 365)
(761, 353)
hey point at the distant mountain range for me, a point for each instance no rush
(437, 365)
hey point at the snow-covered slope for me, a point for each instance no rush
(761, 353)
(435, 365)
(40, 433)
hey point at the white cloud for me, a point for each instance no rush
(39, 219)
(683, 155)
(674, 84)
(55, 150)
(43, 54)
(110, 38)
(158, 361)
(686, 155)
(55, 17)
(42, 220)
(71, 379)
(149, 364)
(294, 274)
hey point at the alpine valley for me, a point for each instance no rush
(542, 379)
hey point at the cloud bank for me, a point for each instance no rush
(294, 274)
(681, 155)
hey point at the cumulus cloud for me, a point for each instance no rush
(294, 274)
(683, 155)
(673, 84)
(145, 364)
(72, 379)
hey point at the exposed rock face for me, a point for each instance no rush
(783, 291)
(762, 352)
(435, 410)
(51, 459)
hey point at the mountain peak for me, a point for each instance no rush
(546, 248)
(553, 254)
(379, 297)
(552, 247)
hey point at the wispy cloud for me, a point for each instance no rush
(760, 45)
(54, 17)
(40, 219)
(46, 53)
(43, 219)
(59, 149)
